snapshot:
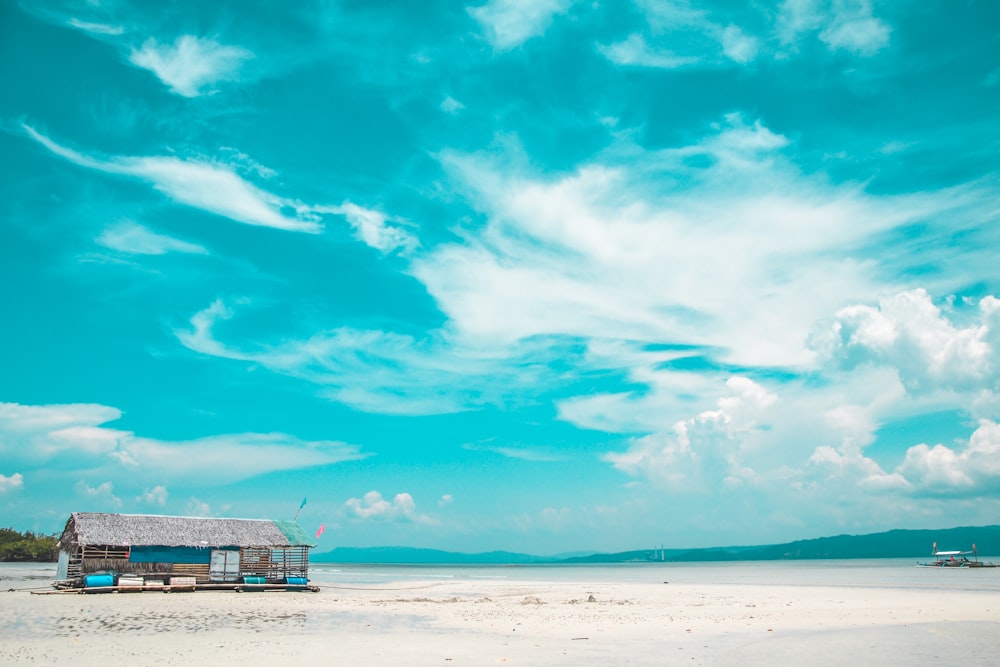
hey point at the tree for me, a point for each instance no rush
(27, 546)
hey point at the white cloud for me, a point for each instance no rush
(846, 25)
(372, 506)
(196, 507)
(14, 482)
(509, 23)
(373, 229)
(737, 45)
(519, 453)
(796, 17)
(96, 28)
(451, 106)
(705, 449)
(102, 495)
(854, 29)
(131, 237)
(378, 371)
(912, 335)
(635, 52)
(972, 470)
(191, 64)
(210, 187)
(74, 437)
(576, 255)
(675, 21)
(672, 14)
(155, 496)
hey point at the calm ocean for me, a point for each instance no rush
(880, 573)
(875, 573)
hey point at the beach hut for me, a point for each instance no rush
(202, 551)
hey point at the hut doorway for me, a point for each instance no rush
(224, 566)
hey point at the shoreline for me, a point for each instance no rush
(477, 622)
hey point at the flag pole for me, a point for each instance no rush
(296, 517)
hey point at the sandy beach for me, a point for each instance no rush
(475, 622)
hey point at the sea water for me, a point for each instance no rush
(873, 573)
(865, 573)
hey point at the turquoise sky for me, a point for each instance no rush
(536, 275)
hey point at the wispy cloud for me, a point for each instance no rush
(515, 452)
(378, 371)
(132, 238)
(853, 28)
(676, 21)
(96, 28)
(508, 23)
(373, 228)
(571, 256)
(635, 52)
(451, 106)
(191, 64)
(76, 437)
(847, 25)
(214, 188)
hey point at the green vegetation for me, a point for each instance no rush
(27, 546)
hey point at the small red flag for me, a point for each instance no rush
(319, 532)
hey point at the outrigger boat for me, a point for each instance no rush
(955, 559)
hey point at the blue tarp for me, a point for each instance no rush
(175, 554)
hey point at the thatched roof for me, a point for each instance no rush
(91, 528)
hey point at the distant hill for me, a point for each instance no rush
(890, 544)
(414, 556)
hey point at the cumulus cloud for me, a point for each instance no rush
(14, 482)
(705, 448)
(911, 334)
(970, 469)
(509, 23)
(132, 238)
(372, 506)
(214, 188)
(947, 470)
(191, 64)
(102, 495)
(155, 496)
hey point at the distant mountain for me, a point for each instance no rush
(890, 544)
(414, 556)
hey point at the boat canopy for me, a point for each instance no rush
(951, 553)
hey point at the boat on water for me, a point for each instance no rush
(958, 559)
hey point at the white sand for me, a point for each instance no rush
(487, 623)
